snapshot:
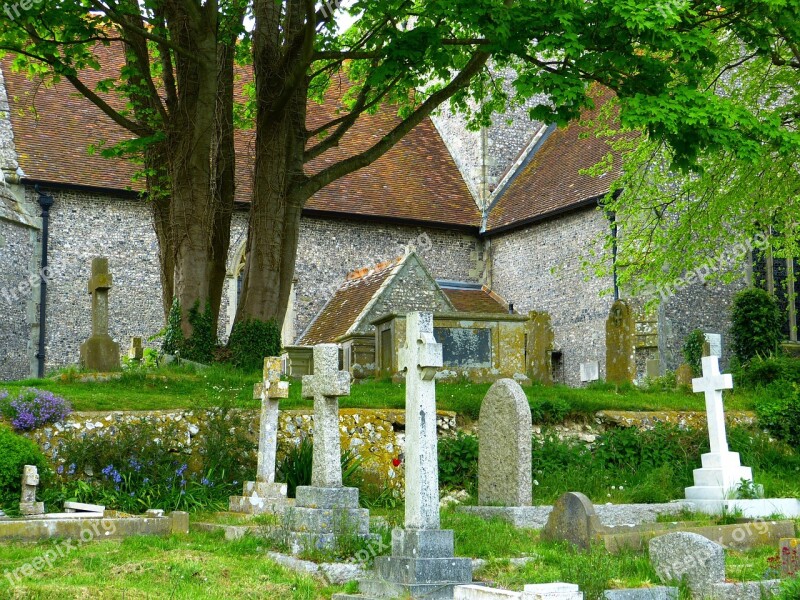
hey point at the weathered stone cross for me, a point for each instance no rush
(421, 358)
(712, 383)
(99, 284)
(30, 481)
(325, 386)
(270, 390)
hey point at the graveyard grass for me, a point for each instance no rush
(202, 565)
(188, 388)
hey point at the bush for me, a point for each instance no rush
(693, 351)
(251, 341)
(33, 408)
(550, 411)
(778, 411)
(202, 344)
(16, 452)
(173, 334)
(458, 461)
(757, 324)
(761, 371)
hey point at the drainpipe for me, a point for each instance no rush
(45, 201)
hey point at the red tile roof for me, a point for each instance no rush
(551, 182)
(342, 310)
(416, 180)
(476, 301)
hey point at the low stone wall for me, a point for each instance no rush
(377, 435)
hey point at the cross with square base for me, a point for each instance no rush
(421, 358)
(325, 386)
(712, 383)
(270, 390)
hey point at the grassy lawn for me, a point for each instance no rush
(198, 566)
(201, 565)
(183, 387)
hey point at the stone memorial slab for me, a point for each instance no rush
(504, 437)
(620, 348)
(790, 557)
(653, 368)
(590, 371)
(100, 352)
(683, 376)
(136, 351)
(541, 339)
(80, 507)
(30, 481)
(714, 341)
(573, 519)
(688, 557)
(722, 471)
(653, 593)
(265, 495)
(551, 591)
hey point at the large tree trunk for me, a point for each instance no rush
(159, 196)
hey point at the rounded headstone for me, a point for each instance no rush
(573, 519)
(688, 556)
(504, 455)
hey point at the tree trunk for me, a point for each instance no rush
(159, 196)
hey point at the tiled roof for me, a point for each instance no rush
(551, 182)
(417, 180)
(349, 301)
(476, 301)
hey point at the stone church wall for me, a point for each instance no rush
(85, 225)
(540, 268)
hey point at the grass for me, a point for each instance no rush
(197, 566)
(185, 387)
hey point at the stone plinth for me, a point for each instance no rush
(321, 516)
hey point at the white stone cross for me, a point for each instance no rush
(325, 386)
(712, 383)
(421, 358)
(270, 390)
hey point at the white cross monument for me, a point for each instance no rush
(722, 470)
(264, 494)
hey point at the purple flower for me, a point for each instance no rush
(60, 469)
(182, 470)
(111, 473)
(33, 408)
(205, 481)
(71, 470)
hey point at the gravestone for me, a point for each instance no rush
(551, 591)
(540, 347)
(652, 593)
(713, 345)
(504, 437)
(722, 471)
(620, 338)
(653, 368)
(790, 557)
(100, 352)
(30, 481)
(573, 519)
(688, 557)
(422, 564)
(265, 495)
(325, 510)
(684, 376)
(3, 516)
(136, 351)
(590, 371)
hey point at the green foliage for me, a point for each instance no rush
(137, 467)
(778, 410)
(250, 341)
(16, 452)
(790, 589)
(762, 371)
(549, 411)
(693, 351)
(458, 461)
(173, 334)
(756, 323)
(203, 341)
(295, 467)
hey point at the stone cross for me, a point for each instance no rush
(712, 383)
(99, 284)
(325, 386)
(30, 481)
(421, 358)
(270, 390)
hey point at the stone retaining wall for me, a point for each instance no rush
(377, 435)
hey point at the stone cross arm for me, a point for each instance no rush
(271, 386)
(712, 380)
(421, 350)
(101, 278)
(327, 379)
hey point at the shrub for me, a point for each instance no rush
(757, 324)
(16, 452)
(550, 411)
(200, 347)
(762, 371)
(458, 461)
(173, 334)
(693, 351)
(33, 408)
(778, 411)
(251, 341)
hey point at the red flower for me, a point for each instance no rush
(396, 462)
